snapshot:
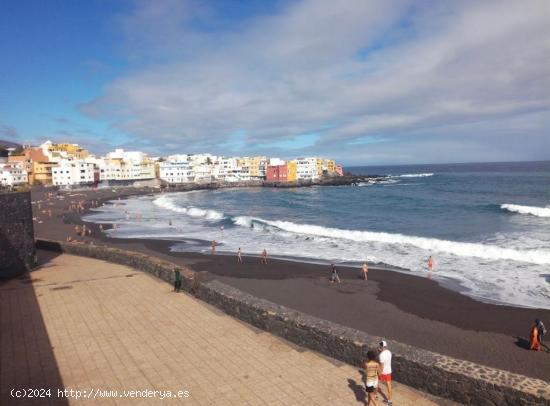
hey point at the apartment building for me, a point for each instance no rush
(68, 172)
(13, 174)
(306, 169)
(176, 172)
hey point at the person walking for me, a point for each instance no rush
(372, 372)
(385, 376)
(177, 280)
(239, 256)
(430, 263)
(264, 257)
(365, 271)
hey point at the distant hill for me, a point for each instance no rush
(9, 144)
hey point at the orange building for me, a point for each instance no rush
(36, 164)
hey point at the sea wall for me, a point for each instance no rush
(17, 252)
(454, 379)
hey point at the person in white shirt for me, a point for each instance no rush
(385, 361)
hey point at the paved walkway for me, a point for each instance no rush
(95, 327)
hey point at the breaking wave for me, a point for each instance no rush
(414, 175)
(166, 203)
(462, 249)
(532, 210)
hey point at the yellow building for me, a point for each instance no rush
(256, 166)
(72, 150)
(41, 173)
(291, 171)
(319, 166)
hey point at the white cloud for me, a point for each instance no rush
(361, 68)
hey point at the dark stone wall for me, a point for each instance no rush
(451, 378)
(17, 252)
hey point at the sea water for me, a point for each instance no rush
(487, 226)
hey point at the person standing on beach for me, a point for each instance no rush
(430, 263)
(541, 330)
(177, 280)
(334, 274)
(213, 247)
(365, 271)
(385, 361)
(264, 257)
(534, 343)
(372, 372)
(239, 256)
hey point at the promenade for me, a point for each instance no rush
(106, 330)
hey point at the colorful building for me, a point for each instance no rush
(64, 150)
(319, 166)
(41, 173)
(277, 173)
(292, 170)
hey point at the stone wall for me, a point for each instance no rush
(455, 379)
(17, 252)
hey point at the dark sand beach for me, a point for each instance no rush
(396, 306)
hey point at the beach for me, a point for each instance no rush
(405, 308)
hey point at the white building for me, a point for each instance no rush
(126, 165)
(202, 159)
(127, 156)
(73, 173)
(203, 173)
(224, 169)
(276, 162)
(306, 169)
(176, 171)
(13, 174)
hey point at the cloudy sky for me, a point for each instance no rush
(365, 82)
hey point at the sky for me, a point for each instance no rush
(364, 82)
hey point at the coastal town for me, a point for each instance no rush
(67, 164)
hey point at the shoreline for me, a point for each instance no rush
(402, 307)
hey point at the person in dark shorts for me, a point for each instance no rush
(372, 371)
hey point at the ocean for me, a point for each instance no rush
(487, 226)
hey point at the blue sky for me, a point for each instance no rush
(365, 82)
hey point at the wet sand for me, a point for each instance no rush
(396, 306)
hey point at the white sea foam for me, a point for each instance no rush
(508, 268)
(414, 175)
(462, 249)
(532, 210)
(166, 203)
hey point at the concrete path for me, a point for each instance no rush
(106, 330)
